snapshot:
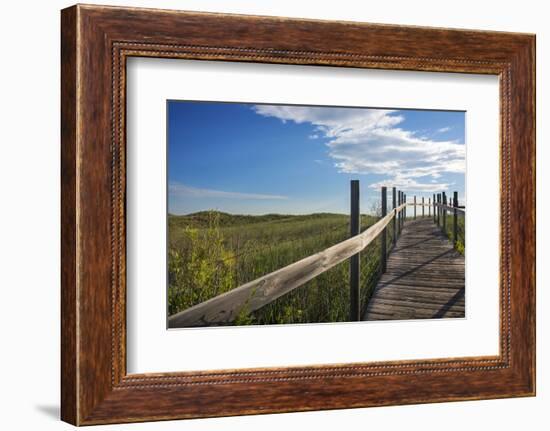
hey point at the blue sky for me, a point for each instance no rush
(256, 159)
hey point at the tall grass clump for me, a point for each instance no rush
(201, 269)
(460, 245)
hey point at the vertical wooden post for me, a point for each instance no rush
(399, 216)
(404, 201)
(403, 210)
(433, 201)
(394, 203)
(355, 228)
(444, 213)
(383, 235)
(422, 206)
(455, 227)
(438, 207)
(414, 211)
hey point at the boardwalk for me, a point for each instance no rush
(424, 277)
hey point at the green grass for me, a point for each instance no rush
(460, 245)
(211, 253)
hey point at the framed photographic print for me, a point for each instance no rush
(267, 215)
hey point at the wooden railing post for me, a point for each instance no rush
(404, 211)
(444, 214)
(405, 202)
(455, 227)
(394, 204)
(400, 212)
(383, 235)
(355, 228)
(438, 207)
(414, 211)
(433, 202)
(422, 206)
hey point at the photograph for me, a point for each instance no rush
(296, 214)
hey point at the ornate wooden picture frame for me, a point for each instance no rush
(96, 41)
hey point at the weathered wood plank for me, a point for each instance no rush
(255, 294)
(418, 296)
(412, 315)
(424, 278)
(428, 284)
(414, 262)
(425, 307)
(459, 210)
(422, 281)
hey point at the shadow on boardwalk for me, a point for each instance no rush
(424, 277)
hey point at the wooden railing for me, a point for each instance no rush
(255, 294)
(441, 207)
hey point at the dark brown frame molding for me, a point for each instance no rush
(95, 43)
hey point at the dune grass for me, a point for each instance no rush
(210, 253)
(460, 245)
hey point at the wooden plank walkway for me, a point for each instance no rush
(424, 277)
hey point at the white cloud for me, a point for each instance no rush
(313, 136)
(406, 184)
(181, 190)
(369, 141)
(443, 130)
